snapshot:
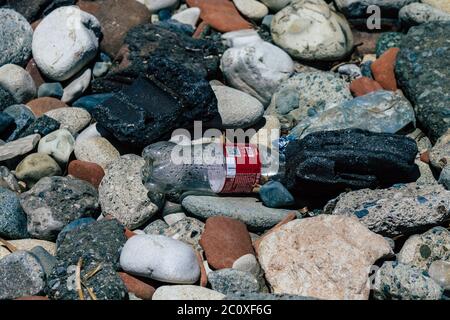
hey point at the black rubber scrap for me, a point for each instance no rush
(327, 163)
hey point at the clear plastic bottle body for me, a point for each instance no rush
(210, 167)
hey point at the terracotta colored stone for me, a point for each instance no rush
(203, 274)
(362, 86)
(32, 298)
(366, 42)
(225, 240)
(40, 106)
(128, 232)
(87, 171)
(383, 69)
(425, 157)
(116, 18)
(34, 73)
(139, 288)
(222, 15)
(291, 216)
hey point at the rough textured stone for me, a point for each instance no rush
(27, 245)
(227, 281)
(43, 126)
(96, 150)
(440, 153)
(122, 194)
(327, 257)
(307, 94)
(187, 230)
(421, 250)
(362, 86)
(264, 296)
(72, 118)
(21, 274)
(16, 36)
(19, 147)
(358, 8)
(439, 271)
(402, 209)
(396, 281)
(422, 71)
(186, 292)
(248, 210)
(388, 40)
(53, 202)
(329, 162)
(103, 239)
(418, 13)
(13, 221)
(23, 118)
(224, 241)
(439, 4)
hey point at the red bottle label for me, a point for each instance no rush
(243, 168)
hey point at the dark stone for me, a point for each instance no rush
(90, 102)
(31, 10)
(177, 26)
(104, 239)
(13, 221)
(42, 125)
(326, 163)
(6, 99)
(388, 40)
(21, 274)
(274, 195)
(55, 4)
(71, 226)
(47, 260)
(105, 284)
(423, 70)
(23, 117)
(7, 125)
(54, 202)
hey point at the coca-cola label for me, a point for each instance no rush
(243, 168)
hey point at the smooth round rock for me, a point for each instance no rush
(35, 167)
(274, 195)
(21, 274)
(252, 9)
(58, 144)
(65, 41)
(160, 258)
(276, 5)
(42, 105)
(97, 150)
(157, 5)
(87, 171)
(52, 90)
(237, 109)
(225, 240)
(186, 292)
(311, 30)
(72, 118)
(17, 81)
(189, 16)
(76, 88)
(122, 193)
(439, 4)
(15, 38)
(54, 202)
(418, 13)
(13, 221)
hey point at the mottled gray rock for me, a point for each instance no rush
(264, 296)
(17, 81)
(307, 94)
(186, 292)
(156, 227)
(421, 250)
(422, 70)
(53, 202)
(13, 220)
(327, 257)
(188, 230)
(388, 40)
(122, 194)
(104, 239)
(380, 111)
(106, 284)
(444, 178)
(45, 258)
(21, 274)
(8, 180)
(401, 209)
(16, 36)
(23, 118)
(440, 153)
(248, 210)
(97, 150)
(58, 144)
(397, 281)
(72, 118)
(439, 271)
(231, 280)
(418, 13)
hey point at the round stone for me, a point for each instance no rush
(72, 118)
(58, 144)
(16, 36)
(96, 150)
(160, 258)
(42, 105)
(186, 292)
(17, 81)
(35, 167)
(87, 171)
(65, 41)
